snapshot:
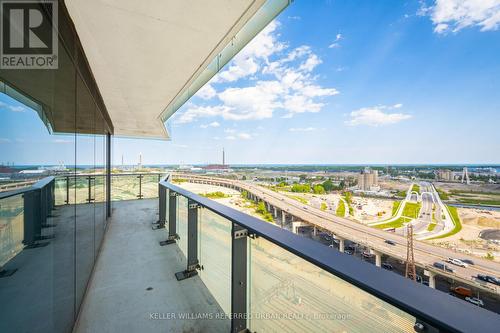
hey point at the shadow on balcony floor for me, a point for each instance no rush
(134, 282)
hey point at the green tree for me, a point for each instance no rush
(301, 188)
(328, 185)
(318, 189)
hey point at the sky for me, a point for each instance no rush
(329, 82)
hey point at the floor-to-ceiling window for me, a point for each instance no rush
(52, 124)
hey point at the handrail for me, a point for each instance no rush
(38, 185)
(435, 308)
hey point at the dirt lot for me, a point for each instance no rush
(473, 222)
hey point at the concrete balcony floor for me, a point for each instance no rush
(133, 287)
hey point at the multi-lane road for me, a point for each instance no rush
(347, 228)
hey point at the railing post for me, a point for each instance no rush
(239, 279)
(172, 219)
(140, 186)
(32, 218)
(108, 175)
(162, 207)
(192, 243)
(67, 190)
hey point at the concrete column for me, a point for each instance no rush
(297, 224)
(432, 278)
(378, 257)
(283, 218)
(341, 243)
(315, 231)
(275, 212)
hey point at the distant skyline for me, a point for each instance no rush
(333, 82)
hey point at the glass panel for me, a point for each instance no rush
(150, 186)
(182, 225)
(85, 214)
(294, 295)
(214, 234)
(11, 228)
(124, 187)
(60, 191)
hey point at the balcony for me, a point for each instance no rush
(183, 262)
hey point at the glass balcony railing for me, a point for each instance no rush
(85, 188)
(23, 214)
(267, 279)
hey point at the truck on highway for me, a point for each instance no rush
(461, 291)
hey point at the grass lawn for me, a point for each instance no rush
(412, 209)
(456, 220)
(394, 224)
(415, 188)
(395, 207)
(323, 206)
(340, 209)
(215, 195)
(298, 198)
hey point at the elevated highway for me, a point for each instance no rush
(345, 228)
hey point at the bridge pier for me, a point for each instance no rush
(275, 211)
(341, 243)
(297, 224)
(432, 278)
(378, 257)
(315, 231)
(283, 218)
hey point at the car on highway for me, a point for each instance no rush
(457, 262)
(443, 267)
(475, 301)
(488, 278)
(468, 261)
(388, 241)
(387, 266)
(492, 279)
(367, 254)
(482, 277)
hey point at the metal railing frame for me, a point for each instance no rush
(433, 310)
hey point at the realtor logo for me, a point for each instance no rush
(28, 34)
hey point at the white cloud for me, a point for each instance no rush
(12, 108)
(336, 43)
(256, 102)
(240, 136)
(294, 17)
(311, 62)
(286, 82)
(206, 92)
(247, 61)
(195, 112)
(4, 140)
(455, 15)
(397, 106)
(376, 116)
(303, 129)
(212, 124)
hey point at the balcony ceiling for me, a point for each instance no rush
(143, 53)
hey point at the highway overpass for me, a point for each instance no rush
(288, 210)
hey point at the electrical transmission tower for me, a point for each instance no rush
(410, 259)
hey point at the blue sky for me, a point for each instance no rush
(330, 82)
